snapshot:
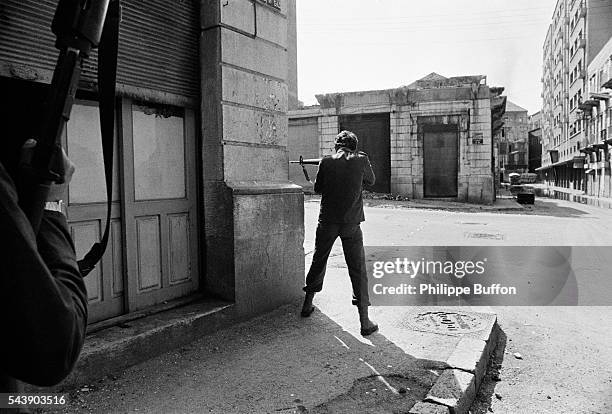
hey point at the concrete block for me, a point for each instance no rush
(239, 14)
(271, 26)
(253, 90)
(253, 54)
(247, 162)
(455, 389)
(253, 126)
(428, 408)
(268, 251)
(258, 215)
(470, 355)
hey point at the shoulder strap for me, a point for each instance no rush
(107, 76)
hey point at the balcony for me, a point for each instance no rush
(600, 96)
(588, 105)
(606, 81)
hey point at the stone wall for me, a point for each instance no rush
(467, 107)
(253, 217)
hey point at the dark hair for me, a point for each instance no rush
(346, 139)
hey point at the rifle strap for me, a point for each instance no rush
(107, 76)
(305, 173)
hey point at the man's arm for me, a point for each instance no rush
(368, 173)
(320, 180)
(43, 300)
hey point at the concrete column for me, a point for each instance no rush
(253, 217)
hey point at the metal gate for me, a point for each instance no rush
(158, 44)
(440, 160)
(373, 131)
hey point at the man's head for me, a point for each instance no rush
(346, 139)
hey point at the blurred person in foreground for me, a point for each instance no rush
(340, 181)
(43, 301)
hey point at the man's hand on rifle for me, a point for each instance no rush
(57, 191)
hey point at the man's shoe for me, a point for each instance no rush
(369, 329)
(307, 312)
(307, 307)
(367, 326)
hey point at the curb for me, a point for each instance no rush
(455, 389)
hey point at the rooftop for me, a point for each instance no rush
(512, 107)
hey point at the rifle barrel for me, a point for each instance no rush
(302, 161)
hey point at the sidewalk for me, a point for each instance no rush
(501, 204)
(569, 194)
(281, 363)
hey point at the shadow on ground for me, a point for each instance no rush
(484, 399)
(548, 207)
(276, 363)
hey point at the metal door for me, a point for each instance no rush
(440, 160)
(373, 132)
(159, 202)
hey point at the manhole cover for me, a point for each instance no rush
(448, 322)
(480, 235)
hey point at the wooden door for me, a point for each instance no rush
(159, 202)
(440, 160)
(87, 211)
(374, 134)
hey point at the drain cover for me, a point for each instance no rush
(448, 322)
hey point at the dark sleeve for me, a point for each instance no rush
(320, 180)
(368, 173)
(43, 300)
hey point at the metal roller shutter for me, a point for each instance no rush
(158, 43)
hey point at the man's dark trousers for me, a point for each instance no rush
(352, 244)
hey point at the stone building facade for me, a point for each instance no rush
(203, 204)
(598, 120)
(578, 31)
(513, 141)
(430, 139)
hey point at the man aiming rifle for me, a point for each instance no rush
(340, 180)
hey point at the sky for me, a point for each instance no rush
(359, 45)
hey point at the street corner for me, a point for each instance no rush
(459, 343)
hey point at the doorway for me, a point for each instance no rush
(440, 160)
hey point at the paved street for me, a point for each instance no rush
(548, 223)
(282, 363)
(565, 351)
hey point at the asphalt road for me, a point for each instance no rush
(563, 353)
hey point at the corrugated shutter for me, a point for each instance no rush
(158, 42)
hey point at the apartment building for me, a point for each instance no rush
(578, 32)
(598, 127)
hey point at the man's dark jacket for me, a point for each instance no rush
(43, 301)
(339, 181)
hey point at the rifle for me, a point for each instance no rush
(303, 162)
(79, 27)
